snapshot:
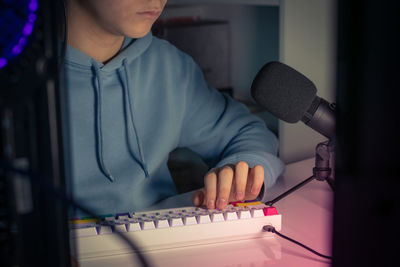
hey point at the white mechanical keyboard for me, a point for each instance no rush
(172, 228)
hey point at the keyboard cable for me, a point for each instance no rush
(270, 228)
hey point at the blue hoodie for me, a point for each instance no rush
(126, 116)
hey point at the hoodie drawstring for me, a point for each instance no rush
(129, 113)
(128, 104)
(99, 136)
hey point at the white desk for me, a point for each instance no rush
(306, 217)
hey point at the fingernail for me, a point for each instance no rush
(221, 203)
(210, 204)
(196, 201)
(239, 195)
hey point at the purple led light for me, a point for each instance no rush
(3, 62)
(22, 41)
(32, 17)
(28, 28)
(18, 47)
(23, 35)
(33, 5)
(16, 50)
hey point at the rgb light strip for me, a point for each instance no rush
(15, 28)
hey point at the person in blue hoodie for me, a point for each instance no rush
(132, 98)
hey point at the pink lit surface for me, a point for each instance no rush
(306, 217)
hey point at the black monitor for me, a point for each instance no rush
(33, 220)
(366, 202)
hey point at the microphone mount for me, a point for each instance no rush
(321, 171)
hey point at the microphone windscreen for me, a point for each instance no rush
(283, 91)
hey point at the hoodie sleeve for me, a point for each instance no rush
(222, 131)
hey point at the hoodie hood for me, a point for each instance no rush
(130, 50)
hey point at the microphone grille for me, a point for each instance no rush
(283, 91)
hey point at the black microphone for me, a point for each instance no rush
(290, 96)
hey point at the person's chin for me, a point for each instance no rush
(139, 33)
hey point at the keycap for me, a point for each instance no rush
(133, 225)
(230, 216)
(256, 213)
(147, 224)
(104, 230)
(163, 223)
(203, 218)
(244, 214)
(217, 217)
(190, 220)
(177, 221)
(80, 232)
(120, 227)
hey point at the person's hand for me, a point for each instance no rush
(229, 183)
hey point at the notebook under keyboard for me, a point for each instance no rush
(172, 228)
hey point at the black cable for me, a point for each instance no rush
(270, 228)
(291, 190)
(58, 194)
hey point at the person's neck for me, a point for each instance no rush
(85, 35)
